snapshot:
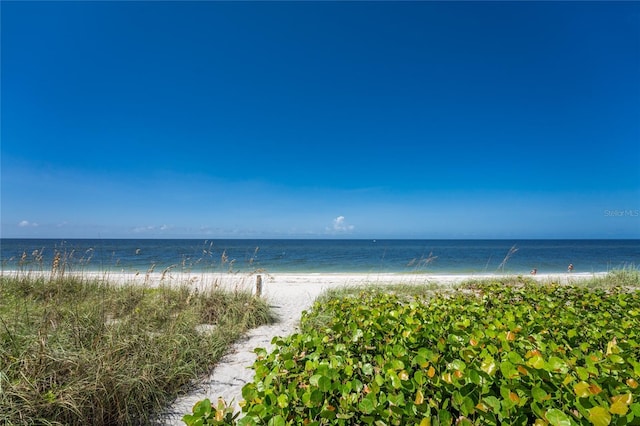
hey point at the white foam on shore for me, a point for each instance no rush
(315, 280)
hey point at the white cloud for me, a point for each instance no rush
(341, 225)
(143, 229)
(26, 223)
(150, 228)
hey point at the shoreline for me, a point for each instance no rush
(328, 256)
(124, 277)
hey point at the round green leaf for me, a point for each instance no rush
(599, 416)
(276, 421)
(558, 418)
(283, 400)
(366, 406)
(489, 366)
(538, 394)
(324, 383)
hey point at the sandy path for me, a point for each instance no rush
(288, 300)
(289, 295)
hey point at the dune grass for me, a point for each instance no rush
(624, 278)
(75, 350)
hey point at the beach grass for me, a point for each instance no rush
(76, 350)
(626, 278)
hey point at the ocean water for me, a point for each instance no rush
(318, 256)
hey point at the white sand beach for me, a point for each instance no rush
(289, 295)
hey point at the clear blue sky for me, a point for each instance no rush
(320, 120)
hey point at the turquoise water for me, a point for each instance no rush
(317, 256)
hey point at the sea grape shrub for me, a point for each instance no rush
(490, 354)
(206, 414)
(500, 355)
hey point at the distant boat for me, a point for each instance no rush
(374, 241)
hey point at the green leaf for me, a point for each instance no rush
(616, 359)
(558, 418)
(556, 364)
(493, 402)
(581, 389)
(467, 407)
(457, 399)
(357, 335)
(202, 408)
(599, 416)
(514, 357)
(283, 400)
(457, 364)
(474, 377)
(317, 397)
(444, 417)
(395, 380)
(313, 380)
(620, 404)
(583, 373)
(539, 394)
(328, 414)
(619, 408)
(379, 380)
(536, 362)
(276, 421)
(366, 406)
(508, 370)
(188, 419)
(421, 361)
(324, 383)
(426, 421)
(246, 421)
(489, 366)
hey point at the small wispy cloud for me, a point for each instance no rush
(340, 225)
(140, 229)
(150, 228)
(26, 224)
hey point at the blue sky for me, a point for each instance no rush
(320, 119)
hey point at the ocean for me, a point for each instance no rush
(320, 256)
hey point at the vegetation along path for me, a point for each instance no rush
(289, 295)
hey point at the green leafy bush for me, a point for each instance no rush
(489, 354)
(206, 414)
